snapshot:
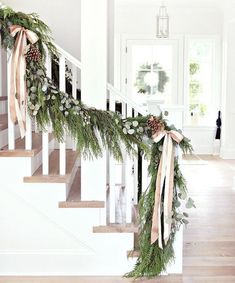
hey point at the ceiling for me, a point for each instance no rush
(179, 3)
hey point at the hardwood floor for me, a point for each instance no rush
(209, 239)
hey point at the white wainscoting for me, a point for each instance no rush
(202, 138)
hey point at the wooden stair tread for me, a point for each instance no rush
(74, 197)
(3, 122)
(20, 150)
(133, 253)
(54, 176)
(3, 98)
(116, 228)
(82, 204)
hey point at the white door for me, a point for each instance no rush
(153, 70)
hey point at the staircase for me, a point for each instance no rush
(47, 228)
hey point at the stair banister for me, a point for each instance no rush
(129, 176)
(69, 57)
(129, 172)
(125, 99)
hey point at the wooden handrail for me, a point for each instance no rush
(68, 56)
(111, 88)
(125, 99)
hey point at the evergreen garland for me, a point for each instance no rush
(93, 130)
(152, 260)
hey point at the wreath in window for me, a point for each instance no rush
(161, 78)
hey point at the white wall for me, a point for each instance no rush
(228, 111)
(134, 19)
(141, 18)
(63, 17)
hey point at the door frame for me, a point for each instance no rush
(121, 57)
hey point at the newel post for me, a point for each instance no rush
(93, 87)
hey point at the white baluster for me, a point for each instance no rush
(145, 177)
(45, 153)
(45, 135)
(136, 170)
(123, 150)
(62, 144)
(74, 81)
(28, 134)
(0, 68)
(129, 184)
(62, 158)
(11, 125)
(112, 180)
(74, 92)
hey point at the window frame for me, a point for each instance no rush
(121, 56)
(216, 76)
(152, 43)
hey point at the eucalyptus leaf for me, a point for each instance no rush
(182, 195)
(177, 203)
(28, 83)
(33, 89)
(190, 204)
(135, 123)
(40, 72)
(131, 132)
(185, 221)
(44, 88)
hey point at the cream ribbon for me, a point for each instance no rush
(165, 175)
(18, 93)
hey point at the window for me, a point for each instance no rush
(202, 81)
(152, 73)
(151, 70)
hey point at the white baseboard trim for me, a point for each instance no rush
(203, 150)
(61, 252)
(65, 265)
(227, 153)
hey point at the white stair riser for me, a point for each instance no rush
(36, 161)
(4, 136)
(3, 107)
(69, 143)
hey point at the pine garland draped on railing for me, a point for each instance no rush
(95, 130)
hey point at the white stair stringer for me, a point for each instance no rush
(4, 136)
(38, 238)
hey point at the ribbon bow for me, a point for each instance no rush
(18, 92)
(164, 186)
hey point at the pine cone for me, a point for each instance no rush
(155, 125)
(33, 54)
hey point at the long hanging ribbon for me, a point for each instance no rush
(18, 93)
(164, 186)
